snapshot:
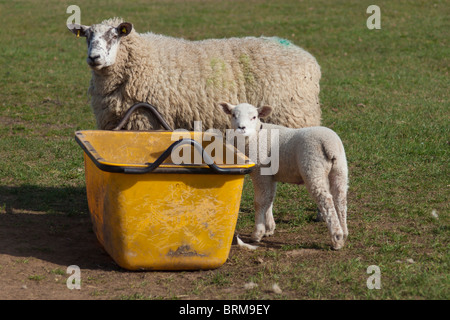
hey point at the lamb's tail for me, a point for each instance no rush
(332, 146)
(333, 150)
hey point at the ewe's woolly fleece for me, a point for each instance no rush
(185, 80)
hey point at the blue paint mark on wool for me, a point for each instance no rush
(284, 42)
(281, 41)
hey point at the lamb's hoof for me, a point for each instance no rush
(270, 230)
(337, 242)
(257, 236)
(337, 247)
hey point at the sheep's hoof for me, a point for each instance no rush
(259, 231)
(337, 242)
(257, 236)
(337, 247)
(270, 230)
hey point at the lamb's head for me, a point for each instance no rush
(245, 117)
(102, 40)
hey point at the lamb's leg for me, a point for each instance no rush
(338, 188)
(265, 189)
(324, 201)
(319, 216)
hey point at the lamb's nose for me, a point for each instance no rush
(242, 128)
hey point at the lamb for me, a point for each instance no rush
(314, 156)
(184, 79)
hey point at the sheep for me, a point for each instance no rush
(184, 79)
(314, 156)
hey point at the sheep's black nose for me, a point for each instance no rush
(93, 58)
(242, 128)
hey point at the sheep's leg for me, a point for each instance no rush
(338, 184)
(324, 201)
(341, 209)
(269, 220)
(319, 216)
(265, 189)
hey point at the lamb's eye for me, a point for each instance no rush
(254, 118)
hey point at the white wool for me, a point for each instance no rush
(185, 79)
(312, 156)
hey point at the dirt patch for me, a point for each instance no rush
(36, 250)
(185, 251)
(301, 253)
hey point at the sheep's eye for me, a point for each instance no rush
(254, 118)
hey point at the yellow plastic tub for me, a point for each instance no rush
(150, 213)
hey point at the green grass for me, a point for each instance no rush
(385, 92)
(36, 278)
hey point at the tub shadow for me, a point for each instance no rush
(51, 224)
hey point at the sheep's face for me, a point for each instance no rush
(102, 41)
(245, 117)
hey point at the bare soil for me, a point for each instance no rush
(37, 248)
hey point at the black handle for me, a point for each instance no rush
(207, 158)
(148, 107)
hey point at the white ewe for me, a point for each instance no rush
(184, 79)
(314, 156)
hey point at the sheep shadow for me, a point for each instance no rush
(283, 243)
(51, 224)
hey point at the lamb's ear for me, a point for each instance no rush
(78, 29)
(264, 111)
(124, 29)
(227, 107)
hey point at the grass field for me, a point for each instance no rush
(385, 92)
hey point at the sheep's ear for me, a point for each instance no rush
(227, 108)
(78, 29)
(124, 29)
(264, 111)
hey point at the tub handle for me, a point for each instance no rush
(207, 158)
(147, 106)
